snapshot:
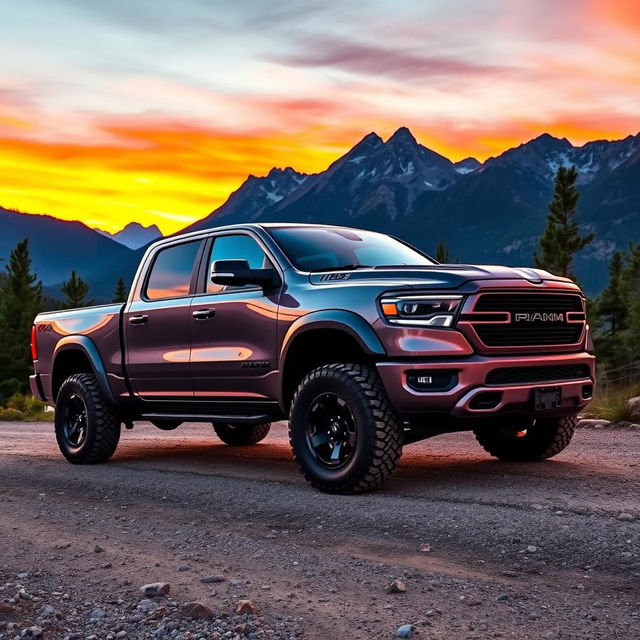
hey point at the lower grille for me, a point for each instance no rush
(510, 336)
(524, 375)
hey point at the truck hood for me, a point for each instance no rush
(440, 276)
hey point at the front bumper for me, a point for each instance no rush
(465, 398)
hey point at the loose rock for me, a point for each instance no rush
(397, 586)
(405, 631)
(156, 589)
(195, 610)
(634, 407)
(212, 579)
(246, 606)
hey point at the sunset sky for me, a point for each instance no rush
(156, 110)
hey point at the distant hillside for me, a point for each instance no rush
(134, 235)
(58, 246)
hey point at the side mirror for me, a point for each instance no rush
(237, 273)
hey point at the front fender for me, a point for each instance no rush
(88, 347)
(348, 321)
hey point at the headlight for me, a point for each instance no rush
(426, 311)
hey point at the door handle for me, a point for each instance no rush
(204, 314)
(138, 319)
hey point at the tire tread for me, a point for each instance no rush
(387, 434)
(555, 436)
(242, 435)
(107, 424)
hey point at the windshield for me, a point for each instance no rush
(325, 248)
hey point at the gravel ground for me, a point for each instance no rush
(478, 549)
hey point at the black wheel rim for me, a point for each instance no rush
(75, 421)
(331, 431)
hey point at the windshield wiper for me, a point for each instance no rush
(344, 267)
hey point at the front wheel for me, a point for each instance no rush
(87, 426)
(242, 435)
(345, 436)
(537, 439)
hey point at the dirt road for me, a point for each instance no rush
(535, 551)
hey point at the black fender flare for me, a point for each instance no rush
(89, 349)
(347, 321)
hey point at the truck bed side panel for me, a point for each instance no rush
(59, 331)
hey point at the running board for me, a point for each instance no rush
(213, 417)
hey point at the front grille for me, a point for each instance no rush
(528, 302)
(534, 332)
(524, 375)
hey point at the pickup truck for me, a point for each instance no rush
(362, 342)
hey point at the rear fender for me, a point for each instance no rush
(89, 349)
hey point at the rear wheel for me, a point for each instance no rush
(536, 439)
(345, 436)
(87, 426)
(242, 435)
(166, 425)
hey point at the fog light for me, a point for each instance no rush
(587, 391)
(432, 380)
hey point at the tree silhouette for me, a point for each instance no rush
(75, 291)
(442, 253)
(561, 239)
(120, 293)
(20, 301)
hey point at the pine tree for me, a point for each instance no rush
(612, 307)
(631, 286)
(120, 293)
(76, 291)
(442, 253)
(617, 338)
(20, 301)
(561, 239)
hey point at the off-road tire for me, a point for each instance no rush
(545, 438)
(379, 431)
(102, 422)
(242, 435)
(166, 425)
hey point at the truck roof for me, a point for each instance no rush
(246, 226)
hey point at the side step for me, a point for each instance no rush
(213, 417)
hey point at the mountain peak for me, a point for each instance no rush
(137, 226)
(371, 140)
(277, 171)
(547, 140)
(135, 235)
(402, 135)
(468, 165)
